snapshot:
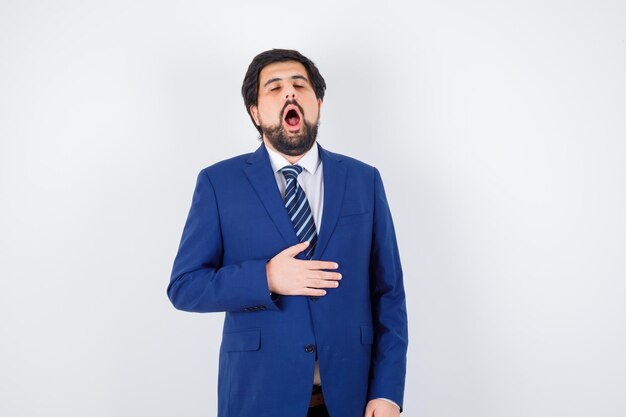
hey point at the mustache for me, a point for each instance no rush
(288, 102)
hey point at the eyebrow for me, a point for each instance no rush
(293, 77)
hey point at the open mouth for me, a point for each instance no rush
(292, 119)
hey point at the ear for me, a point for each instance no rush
(255, 114)
(319, 104)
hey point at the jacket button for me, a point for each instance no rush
(313, 298)
(309, 348)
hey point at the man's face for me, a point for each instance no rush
(287, 111)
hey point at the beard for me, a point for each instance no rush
(292, 144)
(289, 143)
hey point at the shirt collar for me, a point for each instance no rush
(310, 161)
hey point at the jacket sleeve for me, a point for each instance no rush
(199, 282)
(388, 367)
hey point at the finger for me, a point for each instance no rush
(313, 291)
(321, 265)
(292, 251)
(321, 283)
(331, 276)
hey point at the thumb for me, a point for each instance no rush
(292, 251)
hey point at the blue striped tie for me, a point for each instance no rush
(298, 208)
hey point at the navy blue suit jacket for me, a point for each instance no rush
(358, 331)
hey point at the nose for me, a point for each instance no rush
(290, 93)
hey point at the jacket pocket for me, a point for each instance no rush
(241, 340)
(367, 334)
(353, 218)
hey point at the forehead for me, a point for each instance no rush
(281, 70)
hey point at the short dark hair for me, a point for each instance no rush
(250, 86)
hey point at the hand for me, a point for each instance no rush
(289, 276)
(381, 408)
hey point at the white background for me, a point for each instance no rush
(498, 127)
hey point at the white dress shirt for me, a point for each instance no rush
(311, 179)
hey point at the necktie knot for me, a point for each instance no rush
(291, 172)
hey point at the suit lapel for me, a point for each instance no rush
(334, 190)
(261, 176)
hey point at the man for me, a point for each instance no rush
(297, 245)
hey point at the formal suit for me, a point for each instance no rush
(357, 332)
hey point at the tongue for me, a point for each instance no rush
(292, 121)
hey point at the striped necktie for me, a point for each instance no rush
(298, 208)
